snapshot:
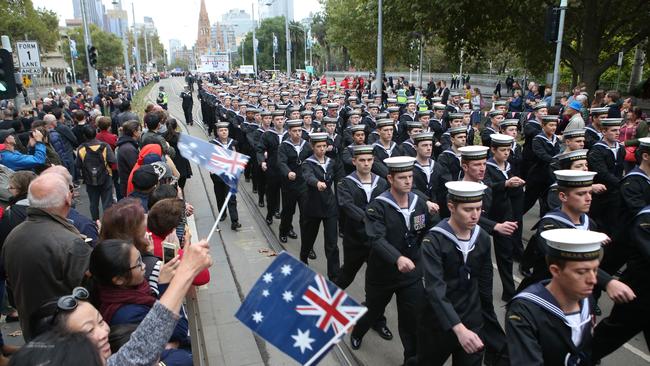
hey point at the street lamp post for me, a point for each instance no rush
(558, 51)
(286, 35)
(92, 77)
(135, 38)
(380, 48)
(254, 41)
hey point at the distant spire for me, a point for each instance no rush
(203, 37)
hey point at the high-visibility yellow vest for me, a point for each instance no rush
(401, 96)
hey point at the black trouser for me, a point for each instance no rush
(534, 191)
(259, 180)
(625, 321)
(435, 347)
(408, 297)
(309, 231)
(187, 110)
(290, 198)
(355, 255)
(105, 192)
(503, 253)
(518, 214)
(220, 191)
(272, 193)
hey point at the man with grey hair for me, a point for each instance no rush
(45, 256)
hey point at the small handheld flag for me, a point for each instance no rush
(227, 164)
(298, 310)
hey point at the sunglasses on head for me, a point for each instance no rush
(70, 302)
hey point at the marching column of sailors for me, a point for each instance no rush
(421, 201)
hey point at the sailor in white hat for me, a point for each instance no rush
(503, 184)
(396, 221)
(551, 322)
(539, 177)
(385, 147)
(450, 157)
(458, 303)
(607, 158)
(635, 185)
(574, 139)
(320, 173)
(592, 131)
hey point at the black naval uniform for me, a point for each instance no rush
(591, 137)
(390, 237)
(628, 319)
(221, 189)
(290, 159)
(430, 180)
(269, 144)
(635, 194)
(458, 289)
(407, 148)
(538, 331)
(608, 163)
(517, 198)
(380, 153)
(353, 198)
(187, 104)
(451, 162)
(539, 176)
(501, 210)
(322, 208)
(485, 135)
(532, 128)
(257, 174)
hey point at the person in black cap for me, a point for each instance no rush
(532, 128)
(187, 104)
(515, 159)
(396, 221)
(503, 184)
(291, 154)
(454, 120)
(592, 131)
(407, 147)
(334, 140)
(496, 117)
(267, 157)
(320, 173)
(220, 188)
(457, 275)
(551, 322)
(628, 319)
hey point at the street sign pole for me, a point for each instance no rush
(254, 41)
(380, 48)
(287, 36)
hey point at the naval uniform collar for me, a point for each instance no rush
(645, 210)
(412, 201)
(562, 217)
(592, 129)
(505, 171)
(543, 136)
(638, 172)
(225, 146)
(324, 165)
(541, 296)
(464, 246)
(374, 180)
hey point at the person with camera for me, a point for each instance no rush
(16, 160)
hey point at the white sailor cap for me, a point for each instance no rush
(574, 244)
(453, 131)
(539, 106)
(611, 122)
(399, 164)
(644, 143)
(357, 128)
(423, 136)
(599, 110)
(500, 103)
(574, 178)
(317, 137)
(473, 152)
(571, 134)
(465, 192)
(456, 115)
(362, 149)
(508, 122)
(500, 140)
(219, 125)
(384, 122)
(550, 118)
(439, 106)
(572, 155)
(294, 123)
(496, 112)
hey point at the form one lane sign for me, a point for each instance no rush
(29, 57)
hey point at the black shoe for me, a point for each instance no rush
(269, 220)
(235, 225)
(247, 179)
(312, 255)
(255, 190)
(260, 203)
(384, 332)
(292, 234)
(224, 217)
(283, 238)
(340, 234)
(277, 215)
(355, 342)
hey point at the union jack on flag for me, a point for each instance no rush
(298, 310)
(227, 164)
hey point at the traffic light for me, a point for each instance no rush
(7, 78)
(92, 56)
(552, 24)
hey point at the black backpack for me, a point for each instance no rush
(93, 166)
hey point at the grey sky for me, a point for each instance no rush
(176, 19)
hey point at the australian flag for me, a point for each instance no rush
(227, 164)
(298, 310)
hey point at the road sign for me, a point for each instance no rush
(620, 59)
(29, 59)
(246, 69)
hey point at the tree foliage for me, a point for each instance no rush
(109, 50)
(264, 35)
(20, 21)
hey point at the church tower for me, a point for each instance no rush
(203, 38)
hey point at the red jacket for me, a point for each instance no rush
(200, 279)
(111, 140)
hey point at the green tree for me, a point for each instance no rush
(21, 21)
(264, 35)
(109, 50)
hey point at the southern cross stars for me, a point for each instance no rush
(286, 270)
(257, 316)
(303, 341)
(265, 293)
(268, 278)
(287, 296)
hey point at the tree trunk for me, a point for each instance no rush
(346, 58)
(637, 69)
(328, 52)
